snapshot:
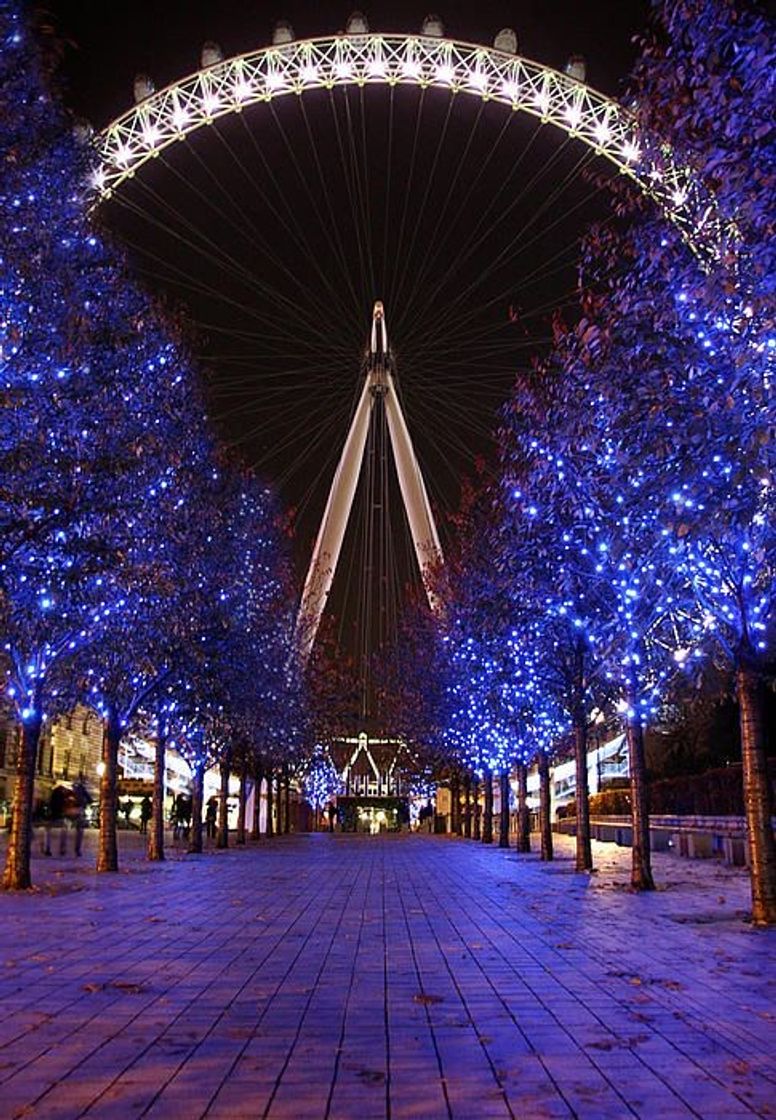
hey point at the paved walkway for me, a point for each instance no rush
(415, 977)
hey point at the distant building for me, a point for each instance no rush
(375, 797)
(606, 763)
(71, 748)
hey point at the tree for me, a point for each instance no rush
(321, 781)
(243, 692)
(79, 344)
(684, 363)
(158, 590)
(547, 552)
(652, 439)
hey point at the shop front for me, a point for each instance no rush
(372, 815)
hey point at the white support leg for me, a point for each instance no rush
(332, 531)
(343, 488)
(422, 525)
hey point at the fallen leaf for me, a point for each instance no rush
(426, 999)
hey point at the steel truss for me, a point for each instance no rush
(170, 114)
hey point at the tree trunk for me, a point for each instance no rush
(222, 838)
(108, 850)
(256, 829)
(641, 866)
(467, 812)
(156, 832)
(584, 861)
(523, 812)
(757, 798)
(487, 820)
(17, 875)
(503, 821)
(476, 830)
(278, 806)
(286, 805)
(545, 816)
(197, 798)
(270, 829)
(455, 805)
(243, 800)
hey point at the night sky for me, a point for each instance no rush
(277, 231)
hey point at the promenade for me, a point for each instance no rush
(410, 977)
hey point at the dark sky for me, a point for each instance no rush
(113, 41)
(278, 230)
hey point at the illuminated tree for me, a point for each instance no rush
(84, 363)
(160, 587)
(321, 781)
(547, 554)
(679, 360)
(644, 437)
(243, 687)
(499, 717)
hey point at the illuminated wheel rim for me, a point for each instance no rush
(169, 115)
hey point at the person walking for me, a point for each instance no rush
(429, 817)
(57, 818)
(146, 809)
(186, 817)
(82, 799)
(41, 818)
(211, 816)
(176, 817)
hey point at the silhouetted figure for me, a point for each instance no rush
(126, 809)
(181, 817)
(211, 817)
(57, 803)
(146, 810)
(82, 799)
(332, 816)
(41, 818)
(429, 817)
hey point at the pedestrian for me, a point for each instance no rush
(186, 816)
(176, 817)
(82, 799)
(429, 817)
(181, 817)
(146, 810)
(126, 809)
(57, 818)
(211, 815)
(332, 816)
(41, 818)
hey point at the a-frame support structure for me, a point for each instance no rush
(379, 382)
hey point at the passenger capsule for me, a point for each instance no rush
(357, 24)
(506, 41)
(576, 67)
(82, 130)
(432, 28)
(282, 33)
(211, 54)
(143, 87)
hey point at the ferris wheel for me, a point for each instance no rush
(268, 92)
(224, 86)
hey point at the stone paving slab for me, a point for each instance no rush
(396, 978)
